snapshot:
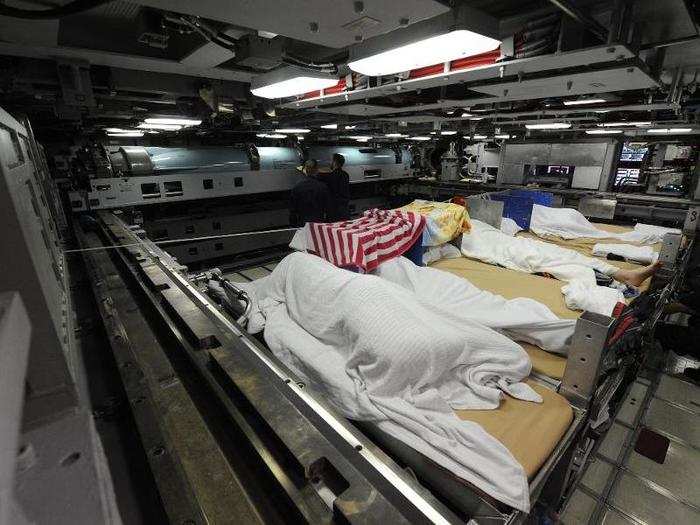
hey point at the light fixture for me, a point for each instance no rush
(466, 115)
(620, 124)
(549, 125)
(433, 132)
(292, 130)
(271, 136)
(582, 101)
(602, 131)
(361, 138)
(300, 137)
(350, 127)
(420, 138)
(164, 127)
(449, 132)
(117, 130)
(330, 126)
(290, 81)
(500, 136)
(126, 134)
(479, 137)
(395, 135)
(174, 121)
(434, 50)
(669, 130)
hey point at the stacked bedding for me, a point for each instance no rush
(406, 348)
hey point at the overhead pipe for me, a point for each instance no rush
(582, 18)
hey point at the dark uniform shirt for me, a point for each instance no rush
(339, 185)
(310, 202)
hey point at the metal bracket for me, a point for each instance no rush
(583, 364)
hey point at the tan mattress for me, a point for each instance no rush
(531, 431)
(544, 363)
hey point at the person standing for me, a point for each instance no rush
(338, 182)
(310, 200)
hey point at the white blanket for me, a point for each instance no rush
(581, 295)
(641, 254)
(568, 223)
(521, 319)
(523, 254)
(380, 352)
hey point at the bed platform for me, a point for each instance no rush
(550, 440)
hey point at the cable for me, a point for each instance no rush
(75, 7)
(183, 240)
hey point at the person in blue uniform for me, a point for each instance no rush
(310, 200)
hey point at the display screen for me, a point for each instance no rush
(633, 153)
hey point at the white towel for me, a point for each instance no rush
(581, 295)
(568, 223)
(444, 251)
(510, 227)
(379, 352)
(641, 254)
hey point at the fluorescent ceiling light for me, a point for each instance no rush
(419, 138)
(549, 125)
(475, 118)
(450, 111)
(292, 130)
(433, 132)
(619, 124)
(126, 134)
(479, 137)
(271, 136)
(465, 115)
(671, 130)
(395, 135)
(361, 138)
(350, 127)
(118, 130)
(174, 121)
(300, 137)
(165, 127)
(499, 136)
(582, 101)
(602, 131)
(427, 52)
(448, 133)
(293, 86)
(330, 126)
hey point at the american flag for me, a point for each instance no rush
(377, 236)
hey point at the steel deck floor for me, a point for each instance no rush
(622, 486)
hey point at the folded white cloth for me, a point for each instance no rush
(568, 223)
(382, 353)
(581, 295)
(510, 227)
(647, 233)
(642, 254)
(523, 254)
(444, 251)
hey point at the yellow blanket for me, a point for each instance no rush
(444, 220)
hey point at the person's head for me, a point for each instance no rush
(311, 167)
(338, 161)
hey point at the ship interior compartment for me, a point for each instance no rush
(429, 261)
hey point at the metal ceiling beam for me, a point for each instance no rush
(582, 18)
(139, 63)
